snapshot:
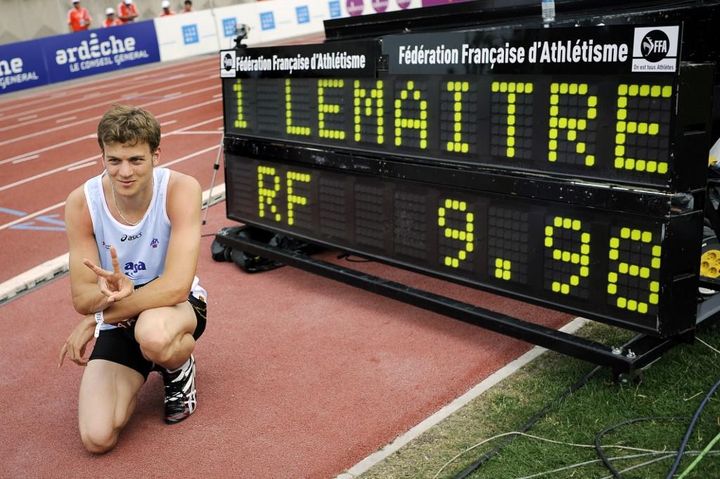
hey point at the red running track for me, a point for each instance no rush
(298, 376)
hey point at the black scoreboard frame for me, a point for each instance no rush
(300, 176)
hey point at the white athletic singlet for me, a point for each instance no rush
(141, 248)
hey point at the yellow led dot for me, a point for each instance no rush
(633, 90)
(623, 268)
(644, 273)
(495, 87)
(621, 114)
(565, 289)
(506, 264)
(612, 289)
(584, 271)
(632, 305)
(621, 302)
(580, 148)
(634, 270)
(662, 168)
(498, 262)
(656, 251)
(613, 254)
(558, 221)
(640, 165)
(567, 223)
(557, 254)
(423, 144)
(563, 88)
(667, 91)
(651, 166)
(553, 133)
(590, 160)
(653, 298)
(654, 286)
(644, 90)
(655, 263)
(566, 256)
(574, 280)
(549, 242)
(642, 308)
(554, 111)
(499, 273)
(573, 88)
(448, 261)
(585, 249)
(555, 287)
(629, 164)
(506, 275)
(510, 153)
(465, 148)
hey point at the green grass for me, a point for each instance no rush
(674, 386)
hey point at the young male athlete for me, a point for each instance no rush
(134, 238)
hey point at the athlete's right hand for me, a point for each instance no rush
(113, 284)
(74, 346)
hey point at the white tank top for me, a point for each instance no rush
(141, 248)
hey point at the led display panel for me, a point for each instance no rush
(594, 109)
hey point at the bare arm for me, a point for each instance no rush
(184, 200)
(87, 296)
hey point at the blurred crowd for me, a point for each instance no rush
(125, 12)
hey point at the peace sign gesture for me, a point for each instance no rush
(113, 284)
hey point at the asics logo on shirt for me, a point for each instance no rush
(130, 237)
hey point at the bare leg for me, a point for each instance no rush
(165, 337)
(165, 334)
(108, 393)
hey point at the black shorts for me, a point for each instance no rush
(119, 346)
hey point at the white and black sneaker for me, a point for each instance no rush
(180, 393)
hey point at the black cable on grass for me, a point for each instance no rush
(688, 433)
(529, 424)
(598, 446)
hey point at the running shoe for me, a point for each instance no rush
(180, 393)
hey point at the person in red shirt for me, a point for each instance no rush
(166, 9)
(110, 19)
(78, 18)
(127, 11)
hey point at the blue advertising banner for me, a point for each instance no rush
(21, 66)
(101, 50)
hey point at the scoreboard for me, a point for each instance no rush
(562, 166)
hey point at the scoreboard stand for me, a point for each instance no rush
(563, 166)
(625, 361)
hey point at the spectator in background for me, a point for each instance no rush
(187, 6)
(166, 9)
(127, 11)
(110, 19)
(78, 17)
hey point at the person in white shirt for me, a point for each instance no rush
(134, 241)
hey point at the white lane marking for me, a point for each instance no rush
(96, 118)
(65, 120)
(31, 216)
(45, 173)
(26, 118)
(25, 158)
(83, 165)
